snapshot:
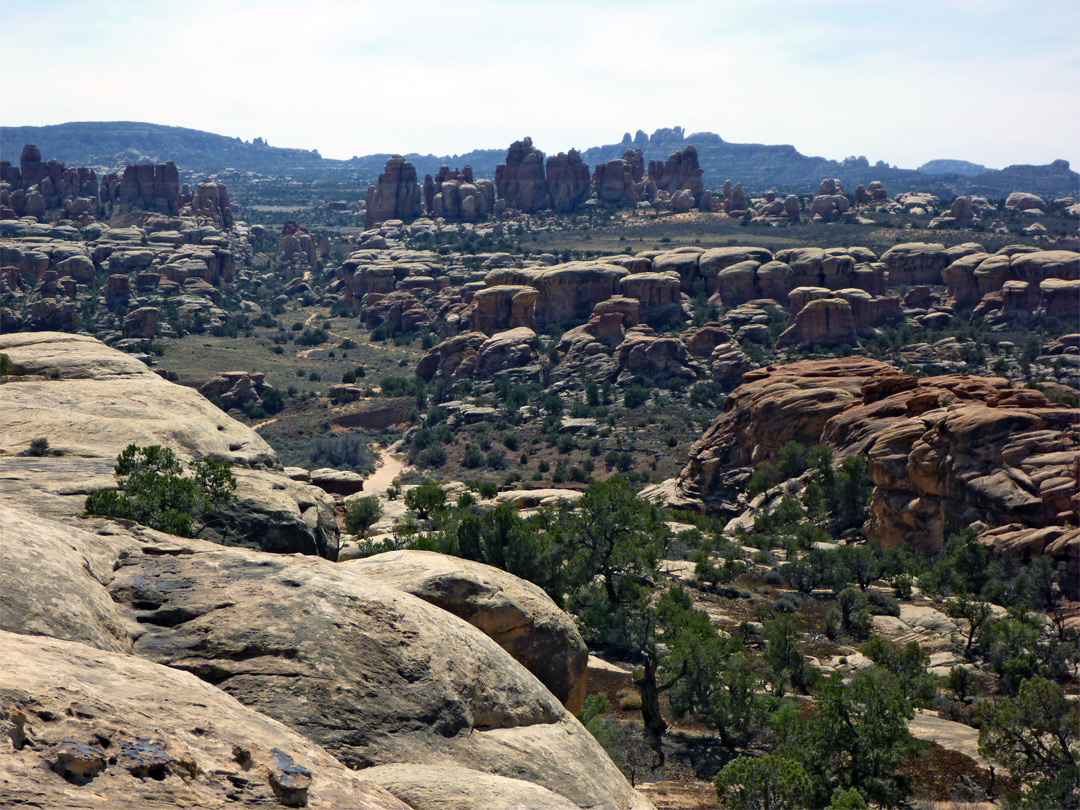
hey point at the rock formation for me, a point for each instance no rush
(34, 187)
(520, 181)
(505, 307)
(396, 194)
(680, 172)
(621, 182)
(972, 277)
(132, 404)
(944, 452)
(915, 263)
(454, 194)
(517, 615)
(297, 244)
(174, 654)
(568, 292)
(568, 181)
(155, 187)
(146, 735)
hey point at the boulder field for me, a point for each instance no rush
(141, 669)
(943, 452)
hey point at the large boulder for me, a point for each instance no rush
(90, 728)
(517, 615)
(446, 787)
(375, 675)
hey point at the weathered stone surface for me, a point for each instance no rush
(915, 263)
(375, 675)
(520, 181)
(972, 277)
(397, 311)
(568, 292)
(455, 355)
(517, 615)
(53, 578)
(93, 401)
(211, 200)
(505, 307)
(1024, 201)
(61, 379)
(395, 195)
(141, 323)
(445, 787)
(115, 731)
(659, 296)
(568, 181)
(826, 321)
(943, 452)
(770, 408)
(681, 172)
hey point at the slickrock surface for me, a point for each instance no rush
(90, 402)
(375, 675)
(86, 728)
(517, 615)
(442, 787)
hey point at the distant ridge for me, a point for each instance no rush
(112, 145)
(963, 167)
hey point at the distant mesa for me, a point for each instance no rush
(961, 167)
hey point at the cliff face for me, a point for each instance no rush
(233, 671)
(944, 452)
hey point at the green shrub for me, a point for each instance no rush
(635, 396)
(362, 514)
(426, 498)
(154, 491)
(38, 447)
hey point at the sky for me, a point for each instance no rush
(904, 81)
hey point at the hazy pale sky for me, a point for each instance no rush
(903, 81)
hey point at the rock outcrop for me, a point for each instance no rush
(98, 729)
(915, 263)
(568, 292)
(155, 187)
(621, 182)
(681, 172)
(374, 675)
(454, 194)
(35, 187)
(59, 379)
(476, 355)
(520, 181)
(395, 195)
(972, 277)
(568, 181)
(943, 452)
(517, 615)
